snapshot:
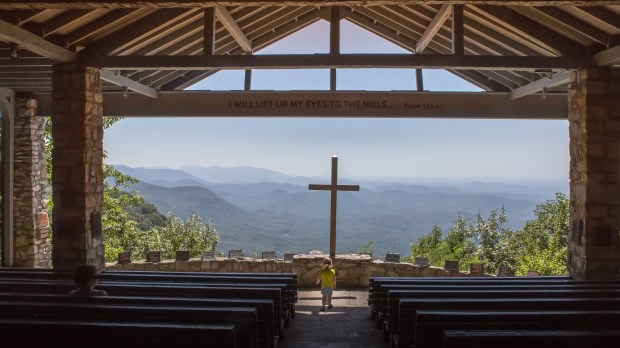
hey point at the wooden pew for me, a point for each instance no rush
(386, 310)
(289, 290)
(176, 290)
(431, 324)
(405, 335)
(243, 318)
(29, 333)
(264, 308)
(531, 338)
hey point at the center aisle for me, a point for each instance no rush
(347, 325)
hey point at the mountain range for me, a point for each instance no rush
(256, 209)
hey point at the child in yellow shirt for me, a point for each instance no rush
(327, 279)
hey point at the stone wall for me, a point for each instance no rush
(594, 116)
(32, 231)
(351, 270)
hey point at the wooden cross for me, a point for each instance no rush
(334, 188)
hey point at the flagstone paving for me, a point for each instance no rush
(348, 324)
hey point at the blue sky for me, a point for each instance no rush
(487, 150)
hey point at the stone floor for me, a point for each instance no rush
(348, 324)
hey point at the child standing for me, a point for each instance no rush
(327, 279)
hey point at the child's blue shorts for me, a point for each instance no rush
(327, 291)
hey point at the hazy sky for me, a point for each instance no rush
(510, 150)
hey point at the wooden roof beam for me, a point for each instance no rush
(438, 21)
(607, 57)
(59, 4)
(132, 85)
(233, 28)
(33, 43)
(328, 61)
(556, 79)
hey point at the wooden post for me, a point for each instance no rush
(334, 42)
(209, 31)
(458, 37)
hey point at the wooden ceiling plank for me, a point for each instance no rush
(27, 40)
(112, 19)
(556, 79)
(602, 15)
(19, 17)
(534, 30)
(59, 22)
(136, 32)
(576, 24)
(233, 28)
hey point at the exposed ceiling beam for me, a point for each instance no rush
(538, 85)
(233, 28)
(607, 57)
(438, 21)
(328, 61)
(59, 4)
(351, 104)
(132, 85)
(33, 43)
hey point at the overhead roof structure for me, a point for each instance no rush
(154, 46)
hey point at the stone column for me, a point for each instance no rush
(77, 174)
(32, 232)
(594, 116)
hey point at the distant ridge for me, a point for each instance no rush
(284, 216)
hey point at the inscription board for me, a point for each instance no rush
(421, 261)
(477, 268)
(208, 255)
(532, 274)
(269, 255)
(124, 257)
(153, 256)
(392, 257)
(289, 256)
(451, 266)
(505, 272)
(235, 254)
(182, 255)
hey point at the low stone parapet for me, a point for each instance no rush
(351, 270)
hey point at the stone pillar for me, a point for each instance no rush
(77, 174)
(32, 231)
(594, 116)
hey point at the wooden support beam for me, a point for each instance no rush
(31, 42)
(458, 31)
(438, 21)
(329, 61)
(208, 47)
(334, 43)
(60, 4)
(419, 80)
(556, 79)
(233, 28)
(393, 104)
(247, 85)
(607, 57)
(132, 85)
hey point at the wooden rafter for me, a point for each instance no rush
(233, 28)
(607, 57)
(33, 43)
(438, 21)
(123, 81)
(538, 85)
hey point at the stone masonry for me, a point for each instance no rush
(77, 177)
(32, 231)
(351, 270)
(594, 116)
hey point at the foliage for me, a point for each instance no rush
(368, 247)
(541, 245)
(190, 234)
